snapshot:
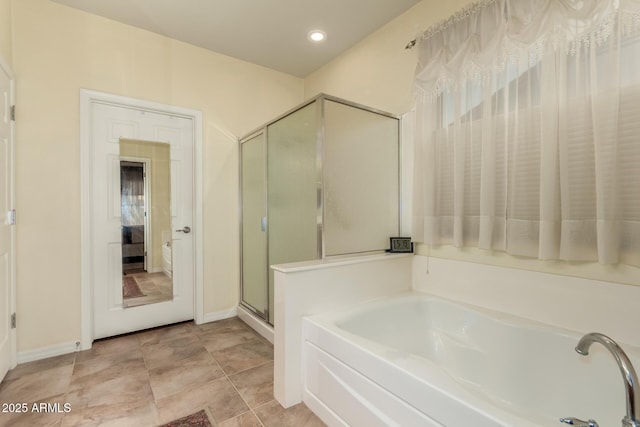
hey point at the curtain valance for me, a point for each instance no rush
(485, 36)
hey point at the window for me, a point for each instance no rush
(528, 127)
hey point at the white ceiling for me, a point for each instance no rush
(271, 33)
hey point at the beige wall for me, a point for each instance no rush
(5, 31)
(59, 50)
(378, 72)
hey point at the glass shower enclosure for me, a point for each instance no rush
(320, 181)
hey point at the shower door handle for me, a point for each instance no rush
(185, 230)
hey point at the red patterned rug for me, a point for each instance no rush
(130, 288)
(199, 419)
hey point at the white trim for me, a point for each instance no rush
(407, 123)
(318, 264)
(320, 409)
(199, 211)
(45, 352)
(14, 259)
(86, 292)
(218, 315)
(6, 69)
(256, 323)
(4, 66)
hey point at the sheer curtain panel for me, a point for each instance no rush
(528, 130)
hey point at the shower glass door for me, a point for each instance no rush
(293, 180)
(254, 233)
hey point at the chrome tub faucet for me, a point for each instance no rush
(628, 373)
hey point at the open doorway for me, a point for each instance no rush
(135, 223)
(145, 196)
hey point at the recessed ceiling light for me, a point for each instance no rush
(317, 35)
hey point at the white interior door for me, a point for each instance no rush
(7, 333)
(109, 124)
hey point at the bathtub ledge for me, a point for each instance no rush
(334, 262)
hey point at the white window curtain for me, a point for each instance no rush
(528, 130)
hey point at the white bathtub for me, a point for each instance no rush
(418, 360)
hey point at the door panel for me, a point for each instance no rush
(7, 335)
(254, 236)
(292, 187)
(5, 308)
(110, 124)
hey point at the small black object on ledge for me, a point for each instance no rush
(400, 245)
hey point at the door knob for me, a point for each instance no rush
(186, 230)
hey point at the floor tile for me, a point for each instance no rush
(189, 373)
(245, 420)
(38, 416)
(105, 368)
(137, 413)
(219, 396)
(171, 353)
(40, 365)
(37, 386)
(220, 340)
(156, 376)
(119, 390)
(109, 346)
(272, 414)
(166, 333)
(244, 356)
(157, 287)
(221, 326)
(255, 385)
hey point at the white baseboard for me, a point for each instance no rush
(329, 417)
(219, 315)
(256, 323)
(70, 347)
(45, 352)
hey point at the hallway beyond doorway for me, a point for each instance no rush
(155, 287)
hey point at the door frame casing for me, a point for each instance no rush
(6, 69)
(87, 98)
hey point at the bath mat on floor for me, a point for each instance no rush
(199, 419)
(130, 288)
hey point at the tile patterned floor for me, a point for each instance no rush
(153, 377)
(157, 287)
